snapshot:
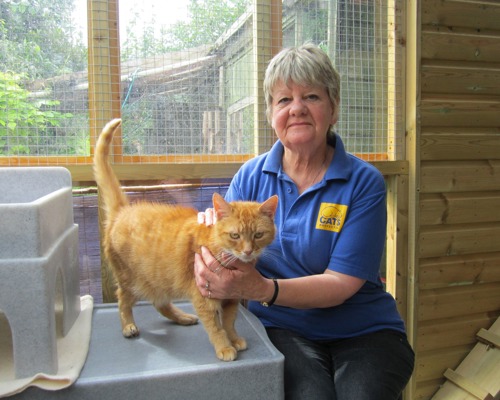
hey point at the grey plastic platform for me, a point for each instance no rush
(171, 362)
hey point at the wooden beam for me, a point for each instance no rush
(489, 338)
(191, 171)
(397, 241)
(104, 67)
(104, 93)
(266, 21)
(158, 172)
(411, 36)
(467, 385)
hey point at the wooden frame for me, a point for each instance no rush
(105, 104)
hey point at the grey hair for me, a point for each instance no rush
(305, 65)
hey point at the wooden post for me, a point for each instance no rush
(412, 97)
(104, 93)
(267, 39)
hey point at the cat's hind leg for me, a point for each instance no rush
(174, 313)
(126, 302)
(229, 314)
(208, 311)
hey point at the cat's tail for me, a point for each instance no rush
(107, 182)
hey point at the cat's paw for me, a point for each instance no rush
(239, 344)
(187, 319)
(227, 354)
(130, 331)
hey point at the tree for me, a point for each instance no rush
(207, 21)
(37, 39)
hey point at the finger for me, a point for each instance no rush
(206, 255)
(199, 271)
(209, 216)
(197, 262)
(201, 217)
(211, 263)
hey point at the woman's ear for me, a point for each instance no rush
(335, 113)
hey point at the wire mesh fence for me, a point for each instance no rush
(185, 78)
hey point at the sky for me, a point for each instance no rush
(165, 13)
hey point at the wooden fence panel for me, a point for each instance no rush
(460, 77)
(472, 14)
(460, 110)
(455, 176)
(459, 208)
(432, 364)
(460, 239)
(458, 301)
(458, 245)
(451, 332)
(457, 43)
(452, 143)
(448, 271)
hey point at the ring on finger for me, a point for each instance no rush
(207, 285)
(209, 294)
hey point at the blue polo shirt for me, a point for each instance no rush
(339, 224)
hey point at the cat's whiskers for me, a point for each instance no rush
(225, 259)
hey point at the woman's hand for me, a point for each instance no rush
(239, 280)
(208, 217)
(236, 280)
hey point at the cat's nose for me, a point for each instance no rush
(248, 252)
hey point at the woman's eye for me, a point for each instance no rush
(283, 100)
(313, 97)
(234, 235)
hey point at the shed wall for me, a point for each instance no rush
(458, 219)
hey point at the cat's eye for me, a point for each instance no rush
(234, 235)
(259, 235)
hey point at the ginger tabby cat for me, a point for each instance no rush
(150, 248)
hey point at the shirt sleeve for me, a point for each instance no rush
(360, 244)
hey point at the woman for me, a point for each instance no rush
(317, 289)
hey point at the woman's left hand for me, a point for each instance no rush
(237, 280)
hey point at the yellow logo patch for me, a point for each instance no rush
(331, 217)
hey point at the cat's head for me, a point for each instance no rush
(244, 228)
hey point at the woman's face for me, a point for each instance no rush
(301, 115)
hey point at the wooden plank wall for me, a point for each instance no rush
(458, 220)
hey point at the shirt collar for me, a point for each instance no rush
(339, 168)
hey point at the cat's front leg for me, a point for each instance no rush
(208, 311)
(229, 314)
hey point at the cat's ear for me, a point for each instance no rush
(221, 207)
(269, 206)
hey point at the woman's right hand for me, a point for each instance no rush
(208, 217)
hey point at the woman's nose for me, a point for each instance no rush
(297, 107)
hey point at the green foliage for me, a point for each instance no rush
(37, 38)
(23, 122)
(207, 21)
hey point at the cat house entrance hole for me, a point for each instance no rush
(7, 370)
(5, 345)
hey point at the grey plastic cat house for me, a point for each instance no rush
(39, 277)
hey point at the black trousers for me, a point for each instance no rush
(376, 366)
